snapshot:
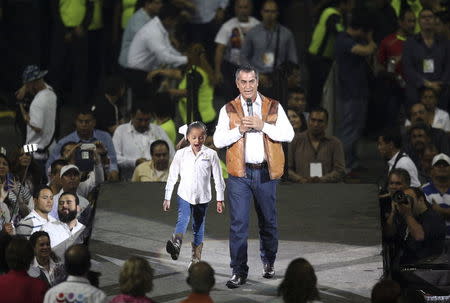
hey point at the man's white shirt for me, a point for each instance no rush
(195, 175)
(62, 237)
(75, 289)
(151, 49)
(281, 131)
(407, 164)
(232, 54)
(131, 145)
(43, 116)
(32, 223)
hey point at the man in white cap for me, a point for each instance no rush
(41, 116)
(438, 190)
(70, 180)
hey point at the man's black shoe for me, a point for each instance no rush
(235, 281)
(173, 248)
(268, 271)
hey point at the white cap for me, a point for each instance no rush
(66, 168)
(440, 157)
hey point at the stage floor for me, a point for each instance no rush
(333, 226)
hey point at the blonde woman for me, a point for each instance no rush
(136, 279)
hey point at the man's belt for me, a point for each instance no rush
(256, 165)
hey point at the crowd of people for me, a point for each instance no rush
(177, 61)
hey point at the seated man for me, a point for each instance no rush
(201, 280)
(415, 227)
(315, 157)
(434, 116)
(390, 146)
(438, 190)
(297, 100)
(43, 203)
(77, 262)
(70, 180)
(156, 169)
(86, 133)
(439, 138)
(54, 178)
(132, 140)
(67, 230)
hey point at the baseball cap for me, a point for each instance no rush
(66, 168)
(440, 157)
(31, 73)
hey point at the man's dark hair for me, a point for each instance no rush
(392, 136)
(58, 162)
(36, 235)
(361, 19)
(402, 173)
(403, 12)
(426, 8)
(246, 69)
(319, 109)
(141, 105)
(163, 105)
(420, 125)
(168, 10)
(77, 260)
(201, 278)
(77, 200)
(85, 110)
(19, 254)
(297, 90)
(156, 143)
(113, 85)
(38, 190)
(424, 89)
(385, 291)
(64, 146)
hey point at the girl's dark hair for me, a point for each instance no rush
(300, 283)
(34, 171)
(35, 236)
(196, 124)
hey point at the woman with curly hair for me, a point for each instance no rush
(299, 284)
(136, 279)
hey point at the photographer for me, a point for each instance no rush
(398, 179)
(416, 228)
(41, 117)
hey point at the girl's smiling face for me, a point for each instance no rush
(196, 138)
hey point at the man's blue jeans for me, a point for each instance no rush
(198, 211)
(256, 185)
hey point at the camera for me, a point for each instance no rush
(84, 157)
(400, 197)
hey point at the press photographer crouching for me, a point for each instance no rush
(417, 230)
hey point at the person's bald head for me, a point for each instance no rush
(201, 278)
(77, 260)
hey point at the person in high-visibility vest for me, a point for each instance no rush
(69, 52)
(321, 49)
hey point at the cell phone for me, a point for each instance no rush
(30, 148)
(87, 146)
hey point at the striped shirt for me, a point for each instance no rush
(31, 224)
(442, 199)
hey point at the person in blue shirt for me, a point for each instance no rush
(85, 132)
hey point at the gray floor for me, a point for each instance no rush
(333, 226)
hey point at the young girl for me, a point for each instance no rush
(194, 164)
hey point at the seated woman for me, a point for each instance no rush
(297, 120)
(136, 279)
(46, 265)
(299, 284)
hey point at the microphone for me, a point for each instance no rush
(249, 106)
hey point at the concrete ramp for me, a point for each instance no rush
(333, 226)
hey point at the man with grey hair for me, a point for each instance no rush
(201, 280)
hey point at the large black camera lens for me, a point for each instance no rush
(400, 197)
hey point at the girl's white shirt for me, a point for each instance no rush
(195, 175)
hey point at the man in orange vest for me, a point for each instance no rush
(252, 128)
